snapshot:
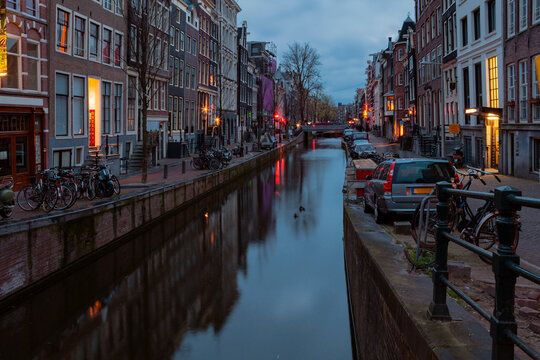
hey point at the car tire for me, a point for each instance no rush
(367, 207)
(379, 215)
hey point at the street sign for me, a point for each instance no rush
(453, 128)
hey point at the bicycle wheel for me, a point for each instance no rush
(196, 163)
(65, 197)
(427, 240)
(49, 199)
(116, 185)
(28, 198)
(214, 164)
(486, 235)
(89, 190)
(426, 260)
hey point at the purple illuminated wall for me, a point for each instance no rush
(267, 90)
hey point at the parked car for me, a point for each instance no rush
(399, 185)
(357, 135)
(347, 133)
(362, 148)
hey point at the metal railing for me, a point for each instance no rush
(505, 265)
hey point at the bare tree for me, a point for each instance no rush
(147, 24)
(303, 62)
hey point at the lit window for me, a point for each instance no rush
(493, 82)
(62, 31)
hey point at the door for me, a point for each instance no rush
(14, 158)
(5, 156)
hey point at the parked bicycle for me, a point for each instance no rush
(40, 193)
(207, 159)
(477, 227)
(7, 196)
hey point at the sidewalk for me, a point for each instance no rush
(131, 183)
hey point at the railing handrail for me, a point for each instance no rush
(505, 265)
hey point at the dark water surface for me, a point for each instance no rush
(235, 276)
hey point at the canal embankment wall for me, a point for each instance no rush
(34, 250)
(388, 304)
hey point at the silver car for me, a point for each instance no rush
(398, 185)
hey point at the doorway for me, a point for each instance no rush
(94, 113)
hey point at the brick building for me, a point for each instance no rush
(24, 90)
(429, 60)
(520, 126)
(88, 81)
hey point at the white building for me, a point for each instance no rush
(228, 63)
(479, 59)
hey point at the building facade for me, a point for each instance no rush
(450, 79)
(177, 56)
(228, 65)
(24, 90)
(479, 59)
(244, 91)
(520, 126)
(87, 82)
(429, 70)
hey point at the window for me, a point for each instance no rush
(62, 31)
(181, 74)
(535, 93)
(107, 4)
(78, 105)
(194, 47)
(171, 114)
(132, 42)
(61, 109)
(32, 62)
(174, 71)
(31, 7)
(117, 108)
(118, 6)
(62, 158)
(12, 4)
(180, 113)
(464, 32)
(433, 26)
(162, 95)
(476, 24)
(493, 82)
(400, 79)
(511, 21)
(535, 154)
(188, 78)
(536, 11)
(510, 71)
(478, 84)
(182, 41)
(155, 96)
(511, 84)
(106, 107)
(176, 39)
(94, 41)
(522, 15)
(523, 91)
(132, 97)
(491, 15)
(13, 63)
(427, 31)
(193, 80)
(466, 93)
(107, 39)
(117, 49)
(79, 36)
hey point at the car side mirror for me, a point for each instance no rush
(368, 177)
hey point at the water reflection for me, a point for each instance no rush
(236, 275)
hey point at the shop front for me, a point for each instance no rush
(21, 144)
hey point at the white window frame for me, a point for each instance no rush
(123, 119)
(122, 56)
(98, 57)
(85, 103)
(523, 21)
(111, 50)
(75, 156)
(19, 63)
(86, 35)
(119, 7)
(536, 12)
(511, 18)
(111, 2)
(69, 32)
(155, 97)
(36, 9)
(162, 95)
(523, 93)
(69, 117)
(511, 81)
(38, 58)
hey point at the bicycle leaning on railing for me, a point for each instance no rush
(505, 265)
(476, 227)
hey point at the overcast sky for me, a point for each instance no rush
(344, 32)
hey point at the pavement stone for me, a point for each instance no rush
(527, 312)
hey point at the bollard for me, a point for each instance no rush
(438, 309)
(505, 279)
(183, 166)
(165, 171)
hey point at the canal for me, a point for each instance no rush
(253, 271)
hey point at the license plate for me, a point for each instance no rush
(421, 190)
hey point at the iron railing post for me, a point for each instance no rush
(438, 309)
(505, 280)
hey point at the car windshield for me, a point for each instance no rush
(360, 135)
(422, 172)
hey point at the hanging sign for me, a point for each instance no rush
(453, 128)
(3, 39)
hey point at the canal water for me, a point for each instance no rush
(245, 273)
